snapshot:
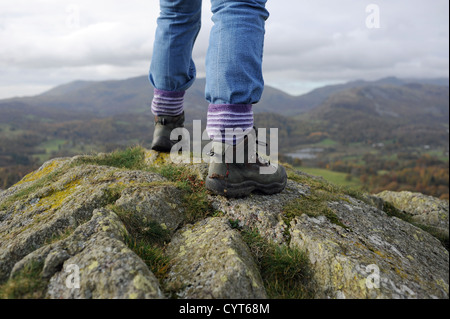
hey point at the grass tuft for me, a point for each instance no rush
(147, 239)
(196, 203)
(26, 284)
(286, 271)
(317, 183)
(314, 205)
(130, 158)
(152, 255)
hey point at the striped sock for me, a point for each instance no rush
(167, 103)
(223, 118)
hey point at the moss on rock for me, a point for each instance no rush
(136, 225)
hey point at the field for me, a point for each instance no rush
(337, 178)
(381, 166)
(346, 134)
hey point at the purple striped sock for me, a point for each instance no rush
(167, 103)
(223, 118)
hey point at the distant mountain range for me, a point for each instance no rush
(353, 112)
(412, 113)
(85, 116)
(108, 98)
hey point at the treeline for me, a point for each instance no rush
(431, 181)
(23, 144)
(425, 174)
(357, 126)
(114, 130)
(351, 126)
(23, 140)
(12, 174)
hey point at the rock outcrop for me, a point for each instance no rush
(133, 224)
(423, 209)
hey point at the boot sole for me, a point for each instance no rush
(222, 187)
(162, 145)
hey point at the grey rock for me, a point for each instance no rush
(66, 217)
(54, 262)
(375, 257)
(74, 203)
(211, 261)
(261, 212)
(107, 269)
(162, 205)
(423, 209)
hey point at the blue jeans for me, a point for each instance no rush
(235, 52)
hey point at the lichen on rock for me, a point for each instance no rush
(375, 256)
(96, 217)
(211, 261)
(423, 209)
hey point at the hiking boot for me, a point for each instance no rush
(164, 125)
(241, 176)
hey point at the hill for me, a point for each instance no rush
(404, 116)
(132, 224)
(133, 95)
(413, 114)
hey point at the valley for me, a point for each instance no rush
(387, 134)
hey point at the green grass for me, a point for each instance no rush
(53, 145)
(60, 235)
(196, 203)
(337, 178)
(286, 271)
(130, 158)
(10, 131)
(327, 142)
(147, 239)
(439, 154)
(26, 284)
(49, 147)
(321, 192)
(316, 183)
(382, 172)
(313, 205)
(142, 230)
(152, 255)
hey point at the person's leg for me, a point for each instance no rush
(234, 82)
(234, 78)
(172, 69)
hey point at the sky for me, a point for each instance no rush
(308, 43)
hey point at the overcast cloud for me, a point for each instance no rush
(44, 43)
